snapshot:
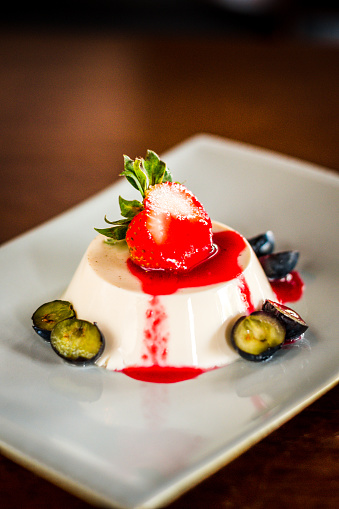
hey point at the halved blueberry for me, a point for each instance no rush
(49, 314)
(295, 326)
(258, 336)
(278, 265)
(77, 341)
(263, 244)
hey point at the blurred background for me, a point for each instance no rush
(82, 82)
(313, 19)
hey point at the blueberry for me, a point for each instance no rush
(49, 314)
(278, 265)
(295, 326)
(258, 336)
(262, 244)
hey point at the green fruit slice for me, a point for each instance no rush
(77, 341)
(49, 314)
(258, 336)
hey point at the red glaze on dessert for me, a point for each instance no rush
(289, 288)
(168, 235)
(223, 265)
(163, 374)
(156, 334)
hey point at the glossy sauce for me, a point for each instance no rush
(289, 288)
(221, 267)
(163, 374)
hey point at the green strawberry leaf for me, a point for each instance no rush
(112, 242)
(116, 232)
(119, 222)
(132, 179)
(167, 176)
(141, 174)
(129, 173)
(135, 175)
(130, 208)
(155, 168)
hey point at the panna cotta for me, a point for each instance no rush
(155, 318)
(164, 294)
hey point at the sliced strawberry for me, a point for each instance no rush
(170, 229)
(173, 232)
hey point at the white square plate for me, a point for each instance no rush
(133, 444)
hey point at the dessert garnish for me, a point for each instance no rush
(49, 314)
(295, 326)
(77, 341)
(278, 265)
(170, 229)
(257, 336)
(260, 334)
(263, 244)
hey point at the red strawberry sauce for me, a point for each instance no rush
(163, 374)
(222, 266)
(288, 289)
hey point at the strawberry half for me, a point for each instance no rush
(173, 232)
(170, 229)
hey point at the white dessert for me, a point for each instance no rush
(187, 328)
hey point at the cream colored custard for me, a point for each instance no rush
(187, 328)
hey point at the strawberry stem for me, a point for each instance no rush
(141, 174)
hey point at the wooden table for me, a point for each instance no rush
(71, 103)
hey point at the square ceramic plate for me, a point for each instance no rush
(133, 444)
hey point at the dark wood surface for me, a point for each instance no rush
(72, 102)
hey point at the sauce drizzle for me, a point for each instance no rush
(222, 266)
(289, 288)
(162, 374)
(219, 268)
